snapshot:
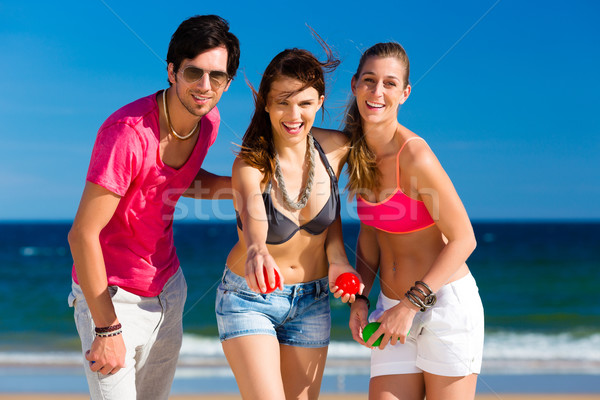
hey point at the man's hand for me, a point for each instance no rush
(107, 354)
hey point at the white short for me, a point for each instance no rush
(445, 340)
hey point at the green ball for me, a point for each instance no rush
(369, 330)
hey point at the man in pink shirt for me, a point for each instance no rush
(128, 289)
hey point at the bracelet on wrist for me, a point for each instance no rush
(109, 334)
(419, 298)
(362, 297)
(426, 286)
(108, 329)
(415, 300)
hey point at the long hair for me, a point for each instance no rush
(363, 174)
(257, 148)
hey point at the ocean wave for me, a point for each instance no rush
(535, 346)
(504, 352)
(40, 251)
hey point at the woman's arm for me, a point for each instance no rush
(209, 186)
(439, 195)
(429, 182)
(96, 208)
(336, 146)
(247, 199)
(367, 256)
(338, 261)
(367, 265)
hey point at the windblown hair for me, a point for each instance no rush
(200, 33)
(363, 174)
(257, 148)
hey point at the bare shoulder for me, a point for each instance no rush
(242, 169)
(331, 140)
(416, 152)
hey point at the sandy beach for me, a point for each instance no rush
(346, 396)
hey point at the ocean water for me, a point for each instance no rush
(538, 281)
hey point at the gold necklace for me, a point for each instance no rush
(166, 110)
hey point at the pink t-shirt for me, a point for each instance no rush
(137, 243)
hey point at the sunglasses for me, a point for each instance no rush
(193, 74)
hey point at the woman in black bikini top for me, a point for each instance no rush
(287, 204)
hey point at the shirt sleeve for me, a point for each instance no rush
(116, 158)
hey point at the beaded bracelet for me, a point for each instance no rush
(108, 329)
(109, 334)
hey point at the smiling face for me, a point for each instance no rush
(380, 88)
(292, 116)
(200, 97)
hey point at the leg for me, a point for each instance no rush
(397, 387)
(302, 371)
(450, 387)
(120, 386)
(157, 359)
(254, 360)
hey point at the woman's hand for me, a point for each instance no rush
(395, 325)
(359, 313)
(337, 269)
(259, 262)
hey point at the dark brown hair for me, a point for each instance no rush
(257, 148)
(200, 33)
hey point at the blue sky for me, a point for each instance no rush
(505, 92)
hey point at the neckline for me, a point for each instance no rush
(160, 163)
(331, 195)
(332, 183)
(397, 173)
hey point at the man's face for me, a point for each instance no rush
(201, 96)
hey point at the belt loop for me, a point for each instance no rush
(223, 279)
(317, 289)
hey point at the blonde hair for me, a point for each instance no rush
(362, 166)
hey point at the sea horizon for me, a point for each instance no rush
(530, 275)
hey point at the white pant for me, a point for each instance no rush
(152, 332)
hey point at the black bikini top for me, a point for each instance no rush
(281, 228)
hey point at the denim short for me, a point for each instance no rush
(298, 315)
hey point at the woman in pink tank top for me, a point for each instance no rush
(415, 232)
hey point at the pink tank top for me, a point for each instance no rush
(398, 213)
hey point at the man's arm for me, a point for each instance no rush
(209, 186)
(96, 208)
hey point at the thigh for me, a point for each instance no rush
(242, 312)
(255, 362)
(451, 341)
(308, 323)
(157, 359)
(295, 360)
(397, 387)
(120, 386)
(450, 387)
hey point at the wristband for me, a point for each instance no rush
(360, 296)
(108, 329)
(109, 334)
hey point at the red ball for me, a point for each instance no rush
(348, 282)
(270, 289)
